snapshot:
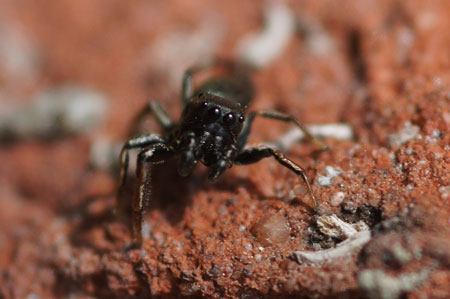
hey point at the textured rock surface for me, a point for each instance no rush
(381, 66)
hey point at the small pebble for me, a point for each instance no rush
(337, 198)
(271, 230)
(445, 192)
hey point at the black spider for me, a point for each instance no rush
(213, 129)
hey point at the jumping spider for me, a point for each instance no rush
(213, 129)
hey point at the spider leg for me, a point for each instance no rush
(157, 152)
(254, 154)
(187, 90)
(188, 77)
(242, 140)
(161, 116)
(139, 142)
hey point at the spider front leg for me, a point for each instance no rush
(161, 116)
(188, 77)
(254, 154)
(277, 116)
(156, 153)
(139, 142)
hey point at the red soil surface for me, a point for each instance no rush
(386, 67)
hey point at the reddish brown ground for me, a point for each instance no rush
(388, 64)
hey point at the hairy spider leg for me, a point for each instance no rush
(187, 90)
(254, 154)
(156, 153)
(138, 142)
(272, 114)
(161, 116)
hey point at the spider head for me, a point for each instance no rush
(212, 125)
(208, 112)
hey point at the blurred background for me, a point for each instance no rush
(74, 73)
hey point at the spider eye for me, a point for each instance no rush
(214, 113)
(204, 104)
(229, 119)
(241, 118)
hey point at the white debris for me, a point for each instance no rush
(343, 249)
(259, 49)
(436, 134)
(318, 41)
(175, 51)
(445, 192)
(338, 131)
(356, 235)
(405, 38)
(334, 227)
(408, 132)
(331, 173)
(379, 284)
(33, 296)
(61, 110)
(19, 59)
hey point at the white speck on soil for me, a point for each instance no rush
(61, 110)
(331, 173)
(294, 135)
(408, 132)
(261, 48)
(337, 198)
